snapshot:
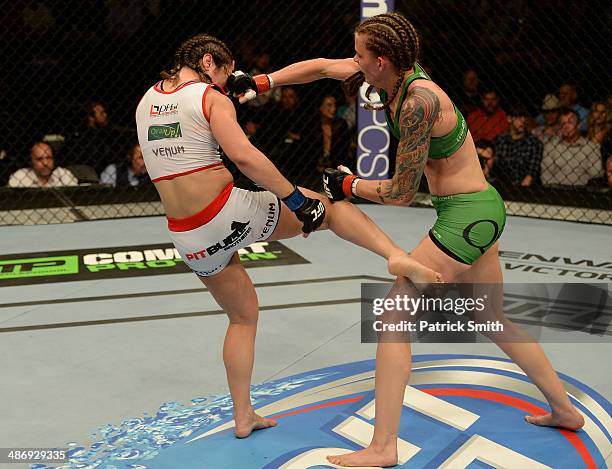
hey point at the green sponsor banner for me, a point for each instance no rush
(123, 261)
(161, 132)
(39, 267)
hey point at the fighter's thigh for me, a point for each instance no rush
(288, 224)
(486, 269)
(485, 280)
(428, 254)
(233, 290)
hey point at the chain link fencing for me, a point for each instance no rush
(532, 79)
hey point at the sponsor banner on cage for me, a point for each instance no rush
(123, 261)
(597, 269)
(469, 312)
(373, 136)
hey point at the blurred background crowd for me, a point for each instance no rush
(531, 78)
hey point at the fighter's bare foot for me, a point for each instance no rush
(366, 458)
(244, 427)
(404, 265)
(571, 420)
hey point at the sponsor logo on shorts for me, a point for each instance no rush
(164, 131)
(169, 152)
(270, 221)
(239, 232)
(163, 110)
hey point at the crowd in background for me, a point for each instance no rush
(532, 126)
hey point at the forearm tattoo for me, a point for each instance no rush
(379, 192)
(419, 112)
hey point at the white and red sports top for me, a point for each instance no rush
(174, 132)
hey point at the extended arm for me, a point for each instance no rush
(315, 69)
(247, 87)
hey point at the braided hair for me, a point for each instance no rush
(393, 36)
(190, 53)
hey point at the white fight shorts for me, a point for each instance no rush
(236, 218)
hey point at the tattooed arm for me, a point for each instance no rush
(419, 112)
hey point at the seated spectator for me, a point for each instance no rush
(568, 95)
(131, 172)
(285, 120)
(550, 127)
(468, 98)
(97, 143)
(606, 179)
(519, 153)
(42, 171)
(572, 159)
(329, 137)
(598, 122)
(486, 156)
(490, 120)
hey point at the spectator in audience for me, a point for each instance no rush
(98, 143)
(519, 153)
(131, 172)
(568, 95)
(490, 120)
(329, 136)
(598, 122)
(549, 119)
(285, 120)
(571, 159)
(486, 156)
(42, 171)
(468, 98)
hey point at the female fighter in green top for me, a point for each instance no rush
(463, 243)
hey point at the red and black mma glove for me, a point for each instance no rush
(240, 82)
(339, 185)
(311, 212)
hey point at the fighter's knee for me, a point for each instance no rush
(244, 318)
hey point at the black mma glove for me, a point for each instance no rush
(338, 185)
(239, 83)
(311, 212)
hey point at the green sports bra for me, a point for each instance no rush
(439, 147)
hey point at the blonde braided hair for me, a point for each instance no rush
(393, 36)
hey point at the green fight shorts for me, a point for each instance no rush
(468, 224)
